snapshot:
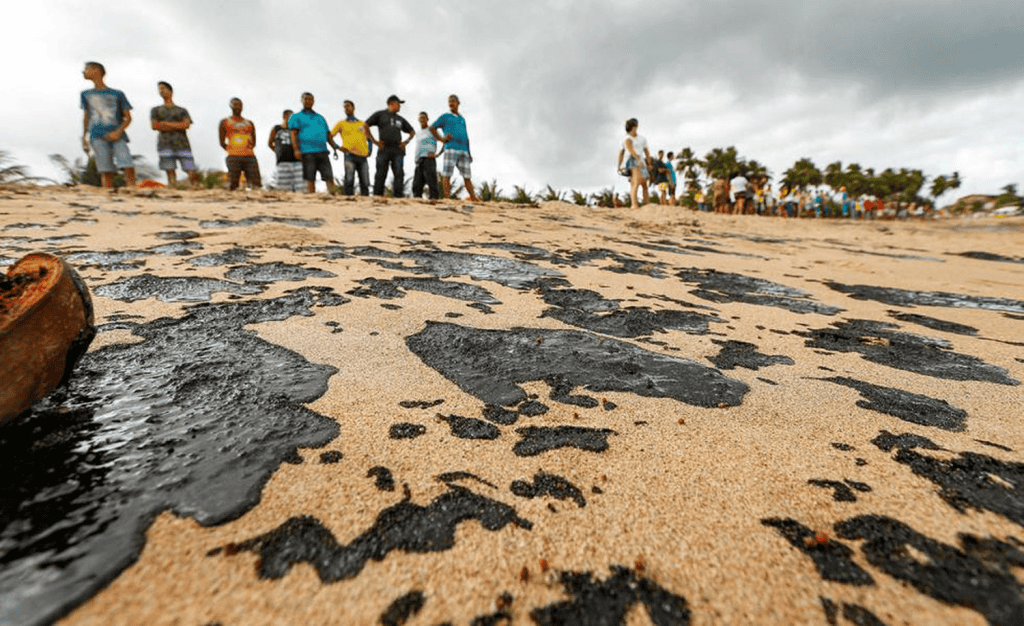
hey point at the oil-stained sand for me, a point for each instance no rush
(562, 415)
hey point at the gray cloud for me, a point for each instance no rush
(546, 86)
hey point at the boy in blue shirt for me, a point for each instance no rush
(103, 127)
(456, 147)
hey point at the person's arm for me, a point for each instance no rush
(252, 135)
(117, 133)
(222, 131)
(330, 140)
(337, 131)
(622, 153)
(270, 142)
(294, 132)
(632, 150)
(369, 137)
(85, 131)
(409, 140)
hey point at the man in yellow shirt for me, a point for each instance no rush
(356, 149)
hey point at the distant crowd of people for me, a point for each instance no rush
(738, 195)
(300, 143)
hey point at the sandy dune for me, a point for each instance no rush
(319, 410)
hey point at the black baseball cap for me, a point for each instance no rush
(394, 98)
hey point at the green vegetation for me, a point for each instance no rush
(82, 172)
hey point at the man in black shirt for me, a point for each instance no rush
(289, 169)
(391, 147)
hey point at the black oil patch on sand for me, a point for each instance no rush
(587, 309)
(405, 526)
(909, 407)
(194, 419)
(491, 364)
(934, 324)
(833, 559)
(545, 484)
(878, 342)
(538, 439)
(609, 601)
(171, 288)
(968, 481)
(727, 287)
(977, 576)
(903, 297)
(743, 354)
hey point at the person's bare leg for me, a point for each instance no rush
(647, 197)
(446, 183)
(469, 188)
(172, 178)
(107, 179)
(193, 177)
(634, 182)
(331, 186)
(129, 176)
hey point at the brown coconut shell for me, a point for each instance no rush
(46, 325)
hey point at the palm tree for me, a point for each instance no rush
(14, 173)
(834, 176)
(802, 174)
(722, 163)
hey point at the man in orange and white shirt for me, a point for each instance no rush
(238, 138)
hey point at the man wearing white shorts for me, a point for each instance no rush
(456, 147)
(107, 115)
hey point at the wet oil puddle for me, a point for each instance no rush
(114, 260)
(903, 297)
(878, 342)
(587, 309)
(182, 235)
(194, 419)
(172, 288)
(725, 287)
(263, 273)
(233, 256)
(258, 219)
(507, 272)
(389, 289)
(492, 364)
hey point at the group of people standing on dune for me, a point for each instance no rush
(300, 143)
(641, 168)
(736, 195)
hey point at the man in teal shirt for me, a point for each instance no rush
(310, 136)
(456, 147)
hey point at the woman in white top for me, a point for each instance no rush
(636, 163)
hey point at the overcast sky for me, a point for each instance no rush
(546, 86)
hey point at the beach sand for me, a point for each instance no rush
(308, 409)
